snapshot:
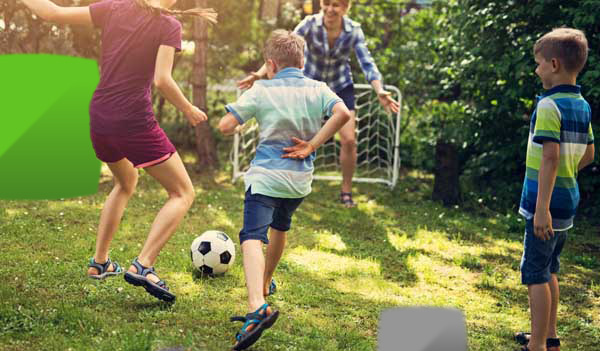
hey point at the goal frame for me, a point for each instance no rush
(392, 178)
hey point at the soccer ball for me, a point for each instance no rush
(213, 252)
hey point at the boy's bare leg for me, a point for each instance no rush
(554, 295)
(277, 240)
(540, 305)
(348, 152)
(172, 175)
(125, 178)
(254, 270)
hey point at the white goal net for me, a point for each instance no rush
(377, 139)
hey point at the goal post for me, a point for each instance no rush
(377, 140)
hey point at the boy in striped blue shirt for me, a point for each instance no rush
(289, 109)
(560, 144)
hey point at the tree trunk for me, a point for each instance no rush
(445, 185)
(206, 147)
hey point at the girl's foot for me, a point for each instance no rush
(139, 275)
(102, 270)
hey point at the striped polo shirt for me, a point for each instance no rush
(289, 105)
(561, 116)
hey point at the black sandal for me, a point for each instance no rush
(158, 290)
(346, 199)
(523, 338)
(102, 268)
(261, 321)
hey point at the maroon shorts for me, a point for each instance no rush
(143, 149)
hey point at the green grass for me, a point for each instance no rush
(340, 270)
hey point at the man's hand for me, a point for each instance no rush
(542, 225)
(301, 150)
(389, 104)
(195, 116)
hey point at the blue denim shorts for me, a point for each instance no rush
(262, 212)
(540, 257)
(347, 95)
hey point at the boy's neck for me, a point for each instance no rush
(564, 80)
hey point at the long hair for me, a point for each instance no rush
(208, 14)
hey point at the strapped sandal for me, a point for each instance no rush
(552, 344)
(272, 288)
(254, 325)
(102, 268)
(158, 290)
(346, 199)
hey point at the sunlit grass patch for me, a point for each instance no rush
(324, 264)
(327, 240)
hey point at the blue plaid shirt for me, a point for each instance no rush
(332, 65)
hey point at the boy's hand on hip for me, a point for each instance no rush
(542, 225)
(301, 150)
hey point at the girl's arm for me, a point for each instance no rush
(169, 89)
(58, 14)
(302, 29)
(247, 82)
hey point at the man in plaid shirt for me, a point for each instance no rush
(330, 37)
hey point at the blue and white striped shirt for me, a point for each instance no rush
(289, 105)
(332, 65)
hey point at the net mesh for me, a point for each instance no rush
(377, 140)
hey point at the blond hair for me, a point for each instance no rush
(568, 45)
(205, 13)
(285, 48)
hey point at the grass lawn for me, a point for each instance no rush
(341, 269)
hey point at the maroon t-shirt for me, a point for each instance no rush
(122, 102)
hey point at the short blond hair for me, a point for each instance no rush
(285, 48)
(568, 45)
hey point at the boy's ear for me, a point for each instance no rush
(272, 65)
(555, 65)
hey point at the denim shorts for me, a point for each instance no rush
(540, 257)
(347, 95)
(262, 212)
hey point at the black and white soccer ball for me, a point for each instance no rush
(213, 252)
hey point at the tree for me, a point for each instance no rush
(205, 142)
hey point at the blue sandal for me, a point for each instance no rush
(260, 319)
(102, 268)
(158, 290)
(272, 288)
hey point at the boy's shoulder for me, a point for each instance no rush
(299, 83)
(564, 103)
